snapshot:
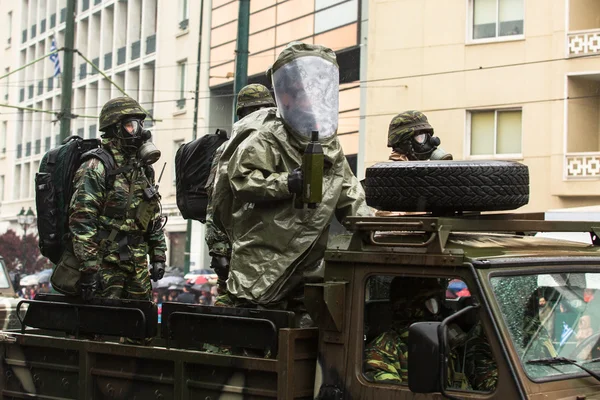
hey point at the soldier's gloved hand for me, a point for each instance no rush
(88, 284)
(295, 180)
(157, 270)
(221, 266)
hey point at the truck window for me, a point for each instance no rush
(552, 315)
(393, 303)
(4, 280)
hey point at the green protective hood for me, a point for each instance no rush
(296, 50)
(270, 237)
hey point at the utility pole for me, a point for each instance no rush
(241, 53)
(188, 236)
(67, 73)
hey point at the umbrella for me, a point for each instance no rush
(199, 280)
(29, 280)
(44, 278)
(168, 281)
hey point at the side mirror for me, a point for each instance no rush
(424, 357)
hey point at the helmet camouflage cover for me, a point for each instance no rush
(404, 125)
(252, 95)
(116, 109)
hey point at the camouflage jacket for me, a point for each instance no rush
(386, 357)
(386, 360)
(87, 218)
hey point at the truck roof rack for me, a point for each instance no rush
(438, 228)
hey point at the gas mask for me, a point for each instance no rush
(426, 147)
(137, 140)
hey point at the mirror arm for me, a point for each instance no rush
(442, 338)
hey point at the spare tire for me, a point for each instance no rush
(447, 186)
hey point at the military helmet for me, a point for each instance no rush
(253, 95)
(404, 125)
(116, 109)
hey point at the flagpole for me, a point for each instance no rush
(67, 87)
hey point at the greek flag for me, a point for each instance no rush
(54, 58)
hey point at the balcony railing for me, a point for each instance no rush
(582, 165)
(583, 43)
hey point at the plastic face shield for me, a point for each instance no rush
(307, 94)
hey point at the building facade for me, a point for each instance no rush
(498, 79)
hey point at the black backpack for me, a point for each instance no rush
(192, 169)
(54, 189)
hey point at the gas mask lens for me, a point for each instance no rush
(433, 306)
(420, 138)
(133, 126)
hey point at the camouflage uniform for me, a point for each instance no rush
(96, 211)
(480, 368)
(251, 96)
(386, 357)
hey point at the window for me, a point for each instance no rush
(181, 66)
(554, 315)
(496, 18)
(495, 133)
(1, 187)
(176, 145)
(394, 303)
(9, 28)
(3, 136)
(7, 89)
(184, 13)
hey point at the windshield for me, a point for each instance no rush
(552, 315)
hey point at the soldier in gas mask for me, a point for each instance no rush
(114, 215)
(276, 247)
(411, 137)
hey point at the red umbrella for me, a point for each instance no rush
(199, 280)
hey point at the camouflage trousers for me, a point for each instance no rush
(120, 284)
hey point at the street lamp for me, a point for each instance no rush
(25, 219)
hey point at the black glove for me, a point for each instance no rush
(221, 266)
(88, 284)
(157, 270)
(295, 180)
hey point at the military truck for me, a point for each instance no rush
(8, 299)
(530, 308)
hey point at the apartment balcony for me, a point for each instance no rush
(582, 156)
(583, 37)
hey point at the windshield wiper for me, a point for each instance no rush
(564, 360)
